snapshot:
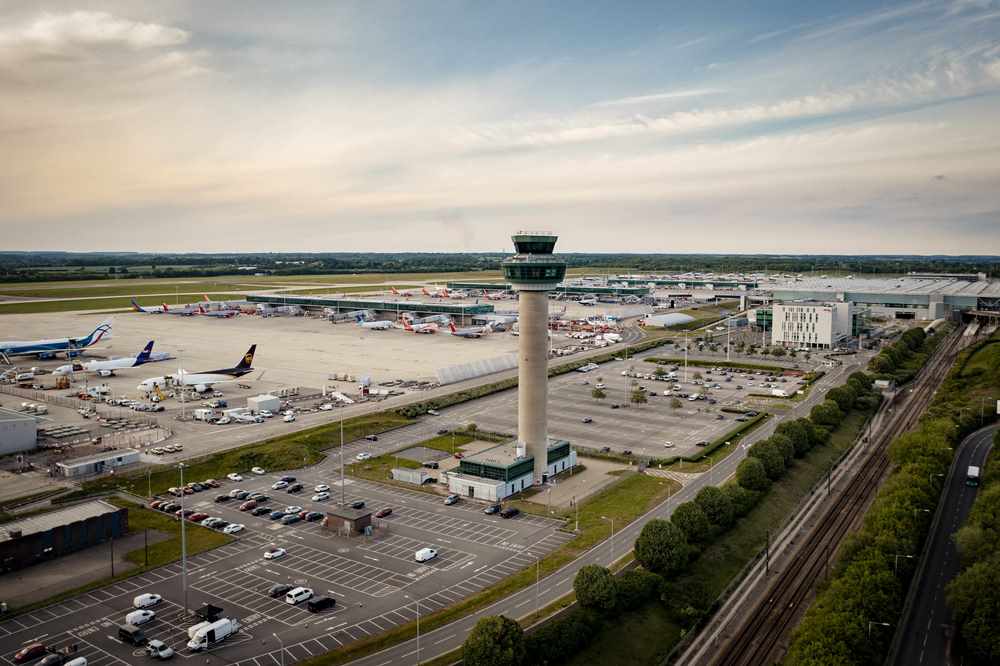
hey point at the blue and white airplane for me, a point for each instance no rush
(107, 368)
(51, 348)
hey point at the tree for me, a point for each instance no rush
(635, 586)
(751, 474)
(662, 547)
(494, 641)
(675, 403)
(784, 445)
(741, 499)
(844, 396)
(771, 457)
(639, 397)
(827, 413)
(595, 588)
(778, 352)
(598, 394)
(798, 433)
(716, 506)
(974, 596)
(696, 376)
(692, 521)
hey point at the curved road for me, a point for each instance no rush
(922, 636)
(451, 636)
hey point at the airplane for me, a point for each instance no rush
(419, 328)
(457, 294)
(223, 305)
(202, 381)
(494, 295)
(186, 312)
(395, 292)
(588, 301)
(225, 314)
(472, 332)
(107, 368)
(147, 310)
(437, 293)
(50, 348)
(382, 325)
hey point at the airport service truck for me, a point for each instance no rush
(213, 633)
(779, 393)
(204, 414)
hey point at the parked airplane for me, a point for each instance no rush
(148, 310)
(107, 368)
(224, 305)
(471, 332)
(202, 381)
(588, 301)
(437, 293)
(186, 311)
(383, 325)
(395, 292)
(50, 348)
(224, 314)
(494, 295)
(419, 328)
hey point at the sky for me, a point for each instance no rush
(779, 126)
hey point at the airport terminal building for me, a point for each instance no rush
(505, 469)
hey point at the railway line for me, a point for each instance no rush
(758, 640)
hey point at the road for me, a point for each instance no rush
(922, 637)
(451, 636)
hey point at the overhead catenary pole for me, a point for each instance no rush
(184, 574)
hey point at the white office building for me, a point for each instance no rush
(811, 324)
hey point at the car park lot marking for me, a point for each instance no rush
(341, 571)
(403, 548)
(446, 525)
(246, 587)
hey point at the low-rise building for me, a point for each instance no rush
(506, 469)
(18, 432)
(97, 463)
(811, 324)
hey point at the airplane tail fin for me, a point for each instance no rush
(247, 361)
(201, 310)
(104, 328)
(143, 356)
(165, 307)
(445, 293)
(451, 326)
(206, 298)
(136, 307)
(393, 291)
(406, 324)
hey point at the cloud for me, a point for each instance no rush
(659, 97)
(692, 42)
(62, 34)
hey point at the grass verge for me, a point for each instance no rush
(118, 302)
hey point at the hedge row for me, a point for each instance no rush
(659, 360)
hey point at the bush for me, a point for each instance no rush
(827, 413)
(784, 446)
(751, 475)
(716, 505)
(741, 499)
(494, 641)
(555, 641)
(844, 396)
(595, 588)
(797, 432)
(687, 601)
(692, 521)
(771, 457)
(635, 587)
(662, 547)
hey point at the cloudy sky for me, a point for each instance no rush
(847, 127)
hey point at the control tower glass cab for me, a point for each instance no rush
(532, 272)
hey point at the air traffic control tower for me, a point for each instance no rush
(533, 272)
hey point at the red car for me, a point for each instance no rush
(29, 652)
(458, 454)
(156, 504)
(248, 505)
(197, 517)
(382, 513)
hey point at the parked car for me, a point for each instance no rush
(290, 518)
(233, 476)
(233, 528)
(260, 511)
(509, 512)
(319, 604)
(297, 595)
(491, 509)
(138, 617)
(321, 488)
(248, 505)
(382, 513)
(222, 498)
(276, 515)
(313, 516)
(425, 554)
(320, 497)
(257, 470)
(275, 553)
(278, 590)
(294, 488)
(451, 499)
(29, 652)
(287, 479)
(587, 419)
(359, 504)
(146, 600)
(278, 485)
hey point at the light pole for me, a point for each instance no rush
(577, 508)
(932, 477)
(895, 566)
(871, 624)
(612, 520)
(282, 643)
(184, 571)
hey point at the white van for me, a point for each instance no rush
(425, 554)
(297, 595)
(78, 661)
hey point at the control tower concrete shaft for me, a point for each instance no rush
(534, 272)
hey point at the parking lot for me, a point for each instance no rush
(643, 429)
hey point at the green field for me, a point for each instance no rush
(350, 289)
(113, 303)
(118, 288)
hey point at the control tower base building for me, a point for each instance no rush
(533, 272)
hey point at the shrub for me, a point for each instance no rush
(771, 457)
(494, 641)
(662, 547)
(692, 521)
(716, 505)
(595, 588)
(797, 432)
(751, 475)
(741, 498)
(827, 413)
(636, 586)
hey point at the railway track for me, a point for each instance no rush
(758, 639)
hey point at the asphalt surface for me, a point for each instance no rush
(924, 639)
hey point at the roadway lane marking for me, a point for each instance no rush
(446, 638)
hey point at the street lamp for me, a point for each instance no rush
(871, 624)
(184, 574)
(282, 643)
(895, 566)
(933, 475)
(612, 520)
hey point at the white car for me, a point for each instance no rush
(146, 600)
(288, 418)
(258, 470)
(209, 522)
(266, 413)
(319, 497)
(293, 509)
(278, 485)
(234, 492)
(135, 618)
(364, 455)
(233, 476)
(225, 420)
(326, 406)
(425, 554)
(232, 528)
(322, 488)
(275, 553)
(668, 445)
